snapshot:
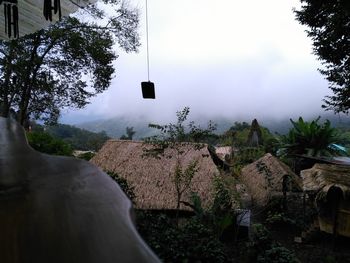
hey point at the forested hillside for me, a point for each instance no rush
(79, 139)
(115, 127)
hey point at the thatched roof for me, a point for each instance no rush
(321, 177)
(264, 178)
(153, 178)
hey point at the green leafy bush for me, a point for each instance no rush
(277, 254)
(263, 249)
(86, 156)
(45, 143)
(192, 241)
(310, 138)
(278, 218)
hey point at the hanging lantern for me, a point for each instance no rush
(148, 90)
(147, 86)
(10, 17)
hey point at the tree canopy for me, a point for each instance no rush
(66, 64)
(328, 25)
(129, 134)
(45, 143)
(79, 139)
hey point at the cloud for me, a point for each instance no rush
(229, 58)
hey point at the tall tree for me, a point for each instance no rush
(66, 64)
(329, 27)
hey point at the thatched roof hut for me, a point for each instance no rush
(331, 186)
(321, 177)
(152, 177)
(267, 177)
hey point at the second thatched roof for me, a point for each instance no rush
(152, 178)
(321, 177)
(265, 177)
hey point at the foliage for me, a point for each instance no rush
(221, 212)
(87, 156)
(183, 177)
(196, 205)
(45, 143)
(344, 138)
(277, 254)
(66, 64)
(240, 126)
(79, 139)
(190, 242)
(248, 155)
(221, 215)
(243, 154)
(328, 26)
(124, 185)
(278, 218)
(181, 133)
(181, 137)
(297, 217)
(310, 138)
(238, 134)
(129, 134)
(263, 249)
(222, 197)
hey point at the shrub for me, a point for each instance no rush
(86, 156)
(277, 254)
(192, 241)
(45, 143)
(263, 249)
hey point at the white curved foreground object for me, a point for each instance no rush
(61, 209)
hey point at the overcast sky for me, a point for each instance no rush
(225, 58)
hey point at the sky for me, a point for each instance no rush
(229, 58)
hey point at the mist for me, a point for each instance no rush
(253, 63)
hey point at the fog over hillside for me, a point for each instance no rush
(116, 127)
(251, 59)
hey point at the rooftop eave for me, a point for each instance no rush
(31, 17)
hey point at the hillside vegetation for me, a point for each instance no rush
(78, 139)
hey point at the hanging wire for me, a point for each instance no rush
(147, 39)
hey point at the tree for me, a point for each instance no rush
(66, 64)
(129, 134)
(80, 139)
(329, 27)
(240, 135)
(45, 143)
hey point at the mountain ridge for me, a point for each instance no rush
(116, 127)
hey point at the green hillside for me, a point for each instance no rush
(79, 139)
